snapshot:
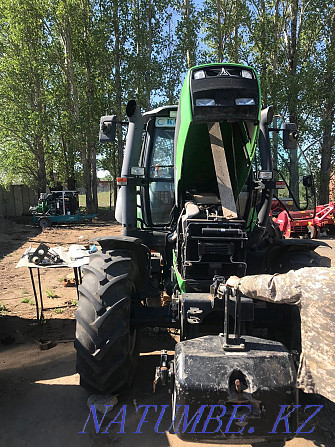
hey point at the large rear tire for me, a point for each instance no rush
(104, 340)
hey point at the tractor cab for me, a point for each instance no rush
(151, 171)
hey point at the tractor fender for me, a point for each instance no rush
(287, 254)
(141, 251)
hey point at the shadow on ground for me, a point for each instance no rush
(42, 403)
(13, 236)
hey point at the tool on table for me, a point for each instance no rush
(44, 255)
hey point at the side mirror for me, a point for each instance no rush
(107, 130)
(290, 136)
(307, 181)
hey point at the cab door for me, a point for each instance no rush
(159, 195)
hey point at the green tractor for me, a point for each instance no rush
(194, 203)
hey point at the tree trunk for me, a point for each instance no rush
(190, 38)
(41, 171)
(70, 178)
(275, 141)
(328, 140)
(68, 142)
(87, 182)
(326, 152)
(220, 37)
(94, 179)
(148, 58)
(115, 174)
(294, 167)
(89, 148)
(187, 16)
(293, 99)
(39, 143)
(118, 88)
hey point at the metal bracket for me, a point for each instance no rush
(164, 372)
(236, 343)
(194, 315)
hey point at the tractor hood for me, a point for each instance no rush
(227, 94)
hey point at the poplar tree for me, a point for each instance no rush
(24, 114)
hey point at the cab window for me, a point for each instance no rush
(161, 186)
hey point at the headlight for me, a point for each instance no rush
(245, 101)
(246, 74)
(205, 102)
(200, 74)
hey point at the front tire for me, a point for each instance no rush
(104, 340)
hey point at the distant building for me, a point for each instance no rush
(104, 185)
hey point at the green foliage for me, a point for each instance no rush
(225, 30)
(27, 300)
(50, 293)
(64, 63)
(58, 310)
(3, 308)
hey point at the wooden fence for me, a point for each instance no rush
(16, 200)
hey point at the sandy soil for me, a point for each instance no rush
(41, 402)
(16, 286)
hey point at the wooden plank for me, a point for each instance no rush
(222, 172)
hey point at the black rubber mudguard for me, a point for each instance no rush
(133, 244)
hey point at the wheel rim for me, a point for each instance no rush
(311, 231)
(44, 223)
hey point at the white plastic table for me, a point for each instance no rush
(68, 262)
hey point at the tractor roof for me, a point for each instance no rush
(159, 111)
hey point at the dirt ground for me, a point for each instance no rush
(41, 402)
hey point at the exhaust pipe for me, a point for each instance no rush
(126, 207)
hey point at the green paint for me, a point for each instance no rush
(180, 281)
(193, 157)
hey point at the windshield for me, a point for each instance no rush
(161, 187)
(162, 154)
